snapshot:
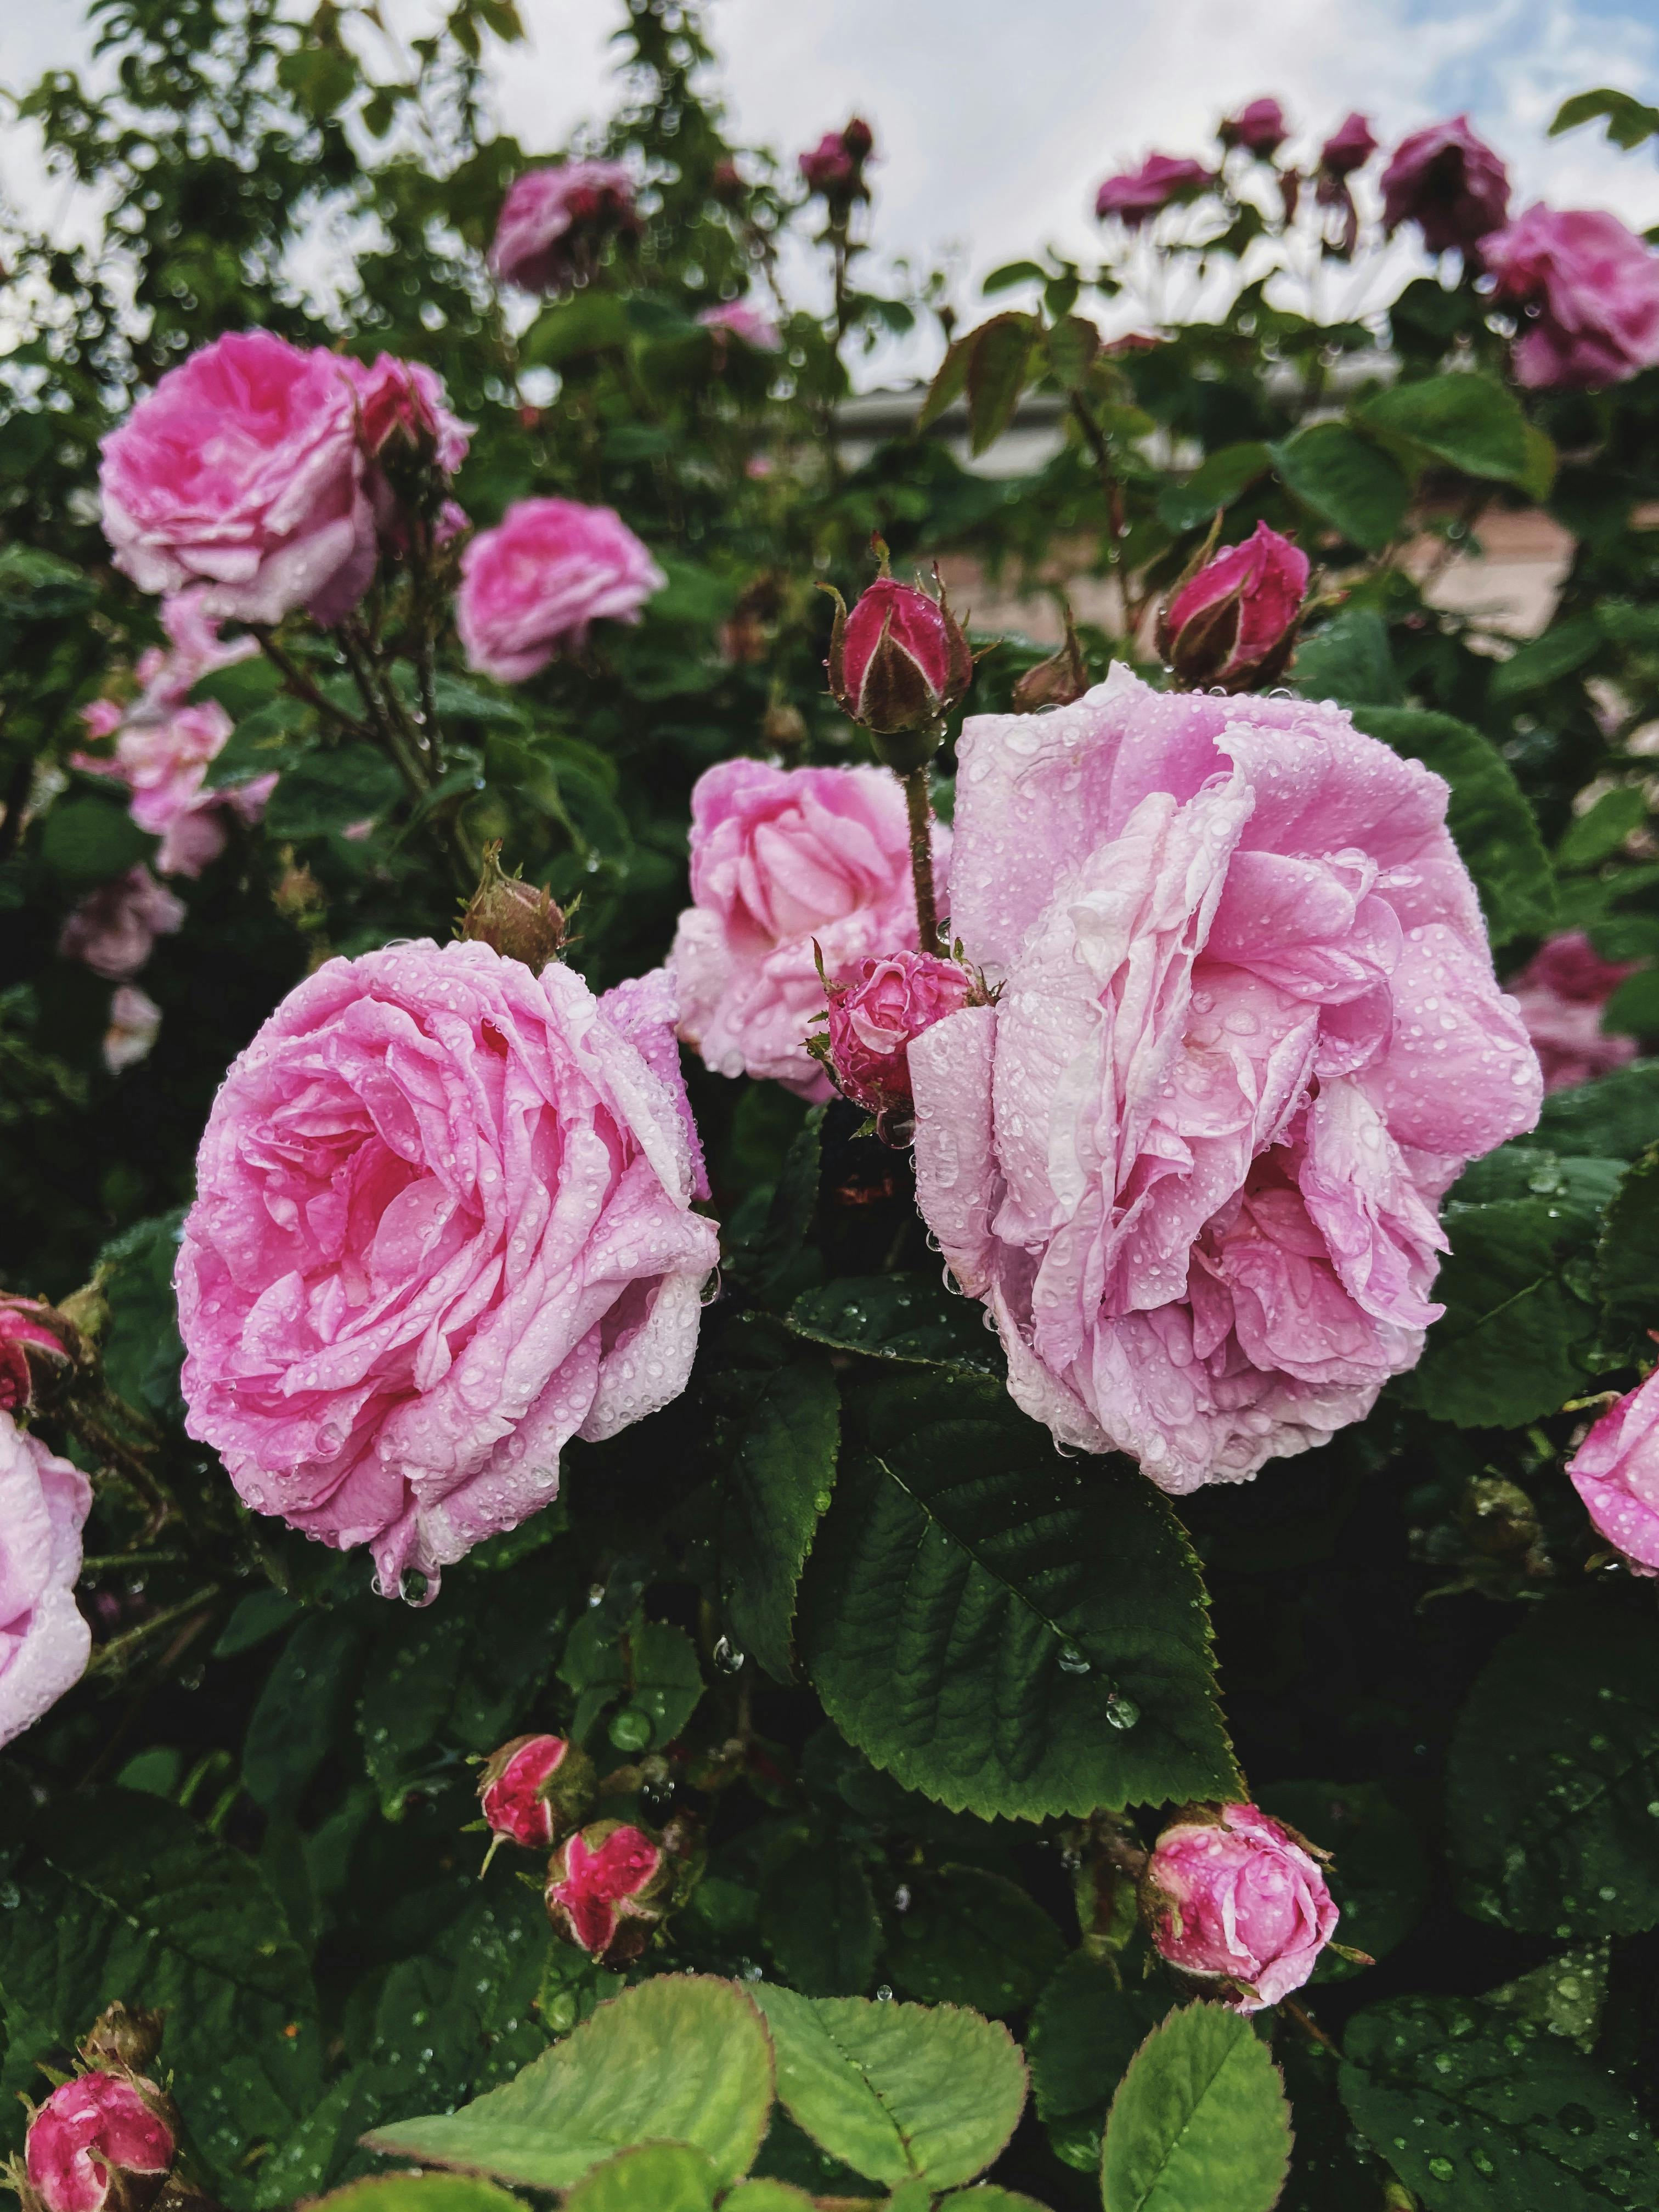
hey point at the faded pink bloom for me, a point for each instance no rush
(1561, 993)
(736, 318)
(135, 1023)
(1616, 1472)
(1590, 290)
(89, 2132)
(877, 1009)
(534, 585)
(1349, 147)
(1160, 181)
(529, 1788)
(1238, 1898)
(23, 1330)
(242, 470)
(899, 661)
(556, 220)
(601, 1889)
(1248, 1035)
(442, 1226)
(1233, 623)
(44, 1642)
(783, 859)
(1447, 182)
(1260, 127)
(114, 928)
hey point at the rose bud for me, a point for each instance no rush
(611, 1883)
(533, 1788)
(1447, 182)
(898, 664)
(1259, 128)
(1616, 1472)
(1233, 1897)
(122, 2039)
(1232, 625)
(1348, 148)
(29, 1346)
(875, 1012)
(1060, 681)
(97, 2141)
(1161, 181)
(519, 919)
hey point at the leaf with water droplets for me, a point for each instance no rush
(912, 1319)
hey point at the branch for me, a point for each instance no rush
(299, 685)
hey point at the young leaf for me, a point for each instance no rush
(1199, 2123)
(896, 2091)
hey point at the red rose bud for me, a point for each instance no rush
(533, 1787)
(1348, 148)
(859, 139)
(1261, 129)
(1447, 182)
(876, 1013)
(1232, 626)
(519, 919)
(898, 664)
(32, 1344)
(99, 2141)
(608, 1886)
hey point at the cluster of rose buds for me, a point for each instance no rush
(107, 2137)
(1231, 626)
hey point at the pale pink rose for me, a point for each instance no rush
(1238, 1898)
(1161, 180)
(1616, 1472)
(736, 318)
(443, 1224)
(1561, 993)
(1590, 292)
(162, 754)
(783, 859)
(44, 1641)
(1249, 1036)
(533, 585)
(89, 2131)
(242, 470)
(114, 928)
(1447, 182)
(135, 1023)
(554, 222)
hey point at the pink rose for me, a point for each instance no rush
(1561, 992)
(1240, 1899)
(1160, 181)
(443, 1224)
(44, 1642)
(531, 586)
(1233, 623)
(243, 471)
(135, 1023)
(1591, 291)
(403, 401)
(556, 220)
(92, 2132)
(1447, 182)
(877, 1010)
(1248, 1035)
(1349, 147)
(736, 318)
(1616, 1472)
(114, 928)
(603, 1889)
(1260, 127)
(24, 1329)
(899, 661)
(783, 858)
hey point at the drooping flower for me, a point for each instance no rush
(1161, 180)
(114, 929)
(1616, 1472)
(1233, 623)
(44, 1641)
(443, 1224)
(556, 221)
(97, 2141)
(535, 584)
(1234, 1897)
(1588, 289)
(1561, 993)
(1447, 182)
(1248, 1036)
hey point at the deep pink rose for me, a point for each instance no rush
(1240, 1899)
(89, 2132)
(878, 1008)
(736, 318)
(403, 401)
(135, 1023)
(533, 1788)
(782, 858)
(1349, 147)
(554, 222)
(531, 586)
(243, 471)
(1160, 181)
(114, 928)
(44, 1642)
(1248, 1035)
(1590, 290)
(1561, 992)
(1616, 1472)
(442, 1226)
(1447, 182)
(834, 166)
(23, 1330)
(899, 660)
(1260, 127)
(602, 1886)
(1233, 623)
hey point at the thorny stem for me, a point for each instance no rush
(113, 1655)
(921, 815)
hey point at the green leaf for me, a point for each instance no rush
(461, 701)
(818, 1913)
(1492, 825)
(971, 1937)
(1219, 478)
(983, 1618)
(1563, 647)
(656, 2177)
(88, 837)
(1477, 2112)
(293, 1725)
(592, 322)
(1627, 1256)
(141, 1349)
(681, 2059)
(760, 2193)
(667, 1682)
(1554, 1772)
(912, 1319)
(419, 2192)
(1594, 835)
(1012, 273)
(1346, 482)
(1087, 2026)
(1380, 1879)
(1629, 120)
(777, 1265)
(1470, 421)
(1633, 1009)
(1350, 660)
(776, 1442)
(950, 382)
(1072, 345)
(998, 357)
(1616, 1117)
(896, 2091)
(327, 792)
(1199, 2123)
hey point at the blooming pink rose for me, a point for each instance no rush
(44, 1641)
(899, 660)
(555, 220)
(1160, 181)
(1561, 992)
(23, 1329)
(1240, 1899)
(1260, 127)
(531, 586)
(135, 1023)
(876, 1010)
(443, 1224)
(736, 318)
(114, 928)
(602, 1888)
(89, 2131)
(1447, 182)
(1616, 1472)
(1590, 290)
(533, 1787)
(783, 858)
(1248, 1035)
(1233, 623)
(243, 471)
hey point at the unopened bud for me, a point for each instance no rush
(783, 727)
(37, 1345)
(898, 664)
(122, 2039)
(1056, 681)
(519, 919)
(1233, 1898)
(610, 1883)
(876, 1011)
(99, 2141)
(1232, 625)
(1497, 1517)
(534, 1789)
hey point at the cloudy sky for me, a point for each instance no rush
(995, 121)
